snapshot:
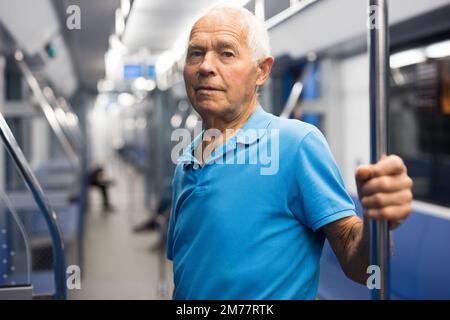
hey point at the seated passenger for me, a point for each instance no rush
(97, 178)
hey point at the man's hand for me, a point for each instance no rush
(385, 193)
(384, 190)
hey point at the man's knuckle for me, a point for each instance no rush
(385, 183)
(409, 196)
(367, 189)
(364, 201)
(409, 182)
(371, 213)
(378, 199)
(397, 161)
(385, 212)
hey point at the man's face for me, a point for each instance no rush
(219, 73)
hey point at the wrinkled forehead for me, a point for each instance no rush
(220, 24)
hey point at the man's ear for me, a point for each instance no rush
(264, 69)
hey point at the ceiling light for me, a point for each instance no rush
(406, 58)
(176, 120)
(113, 63)
(101, 102)
(191, 121)
(120, 22)
(139, 83)
(125, 5)
(60, 115)
(438, 50)
(143, 84)
(116, 44)
(72, 119)
(125, 99)
(150, 85)
(104, 85)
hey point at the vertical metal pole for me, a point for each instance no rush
(379, 71)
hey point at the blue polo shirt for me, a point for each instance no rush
(245, 225)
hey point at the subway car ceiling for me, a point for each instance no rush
(86, 82)
(85, 48)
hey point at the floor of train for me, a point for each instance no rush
(118, 263)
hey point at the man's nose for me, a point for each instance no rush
(207, 67)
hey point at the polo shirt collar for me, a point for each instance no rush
(188, 156)
(257, 123)
(253, 129)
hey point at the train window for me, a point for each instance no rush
(419, 122)
(13, 86)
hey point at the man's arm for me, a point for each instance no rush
(384, 190)
(349, 239)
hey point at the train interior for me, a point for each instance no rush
(91, 93)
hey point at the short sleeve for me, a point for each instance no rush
(323, 198)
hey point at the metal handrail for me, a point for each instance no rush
(47, 109)
(50, 217)
(63, 106)
(76, 129)
(378, 44)
(297, 89)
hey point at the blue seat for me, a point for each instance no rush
(68, 219)
(405, 256)
(419, 265)
(43, 282)
(56, 181)
(433, 260)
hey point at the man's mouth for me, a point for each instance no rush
(208, 88)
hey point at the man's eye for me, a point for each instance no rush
(228, 54)
(196, 53)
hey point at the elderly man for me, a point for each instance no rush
(235, 233)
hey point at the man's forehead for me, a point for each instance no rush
(225, 25)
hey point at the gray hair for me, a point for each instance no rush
(257, 35)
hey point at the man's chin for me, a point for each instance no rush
(210, 108)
